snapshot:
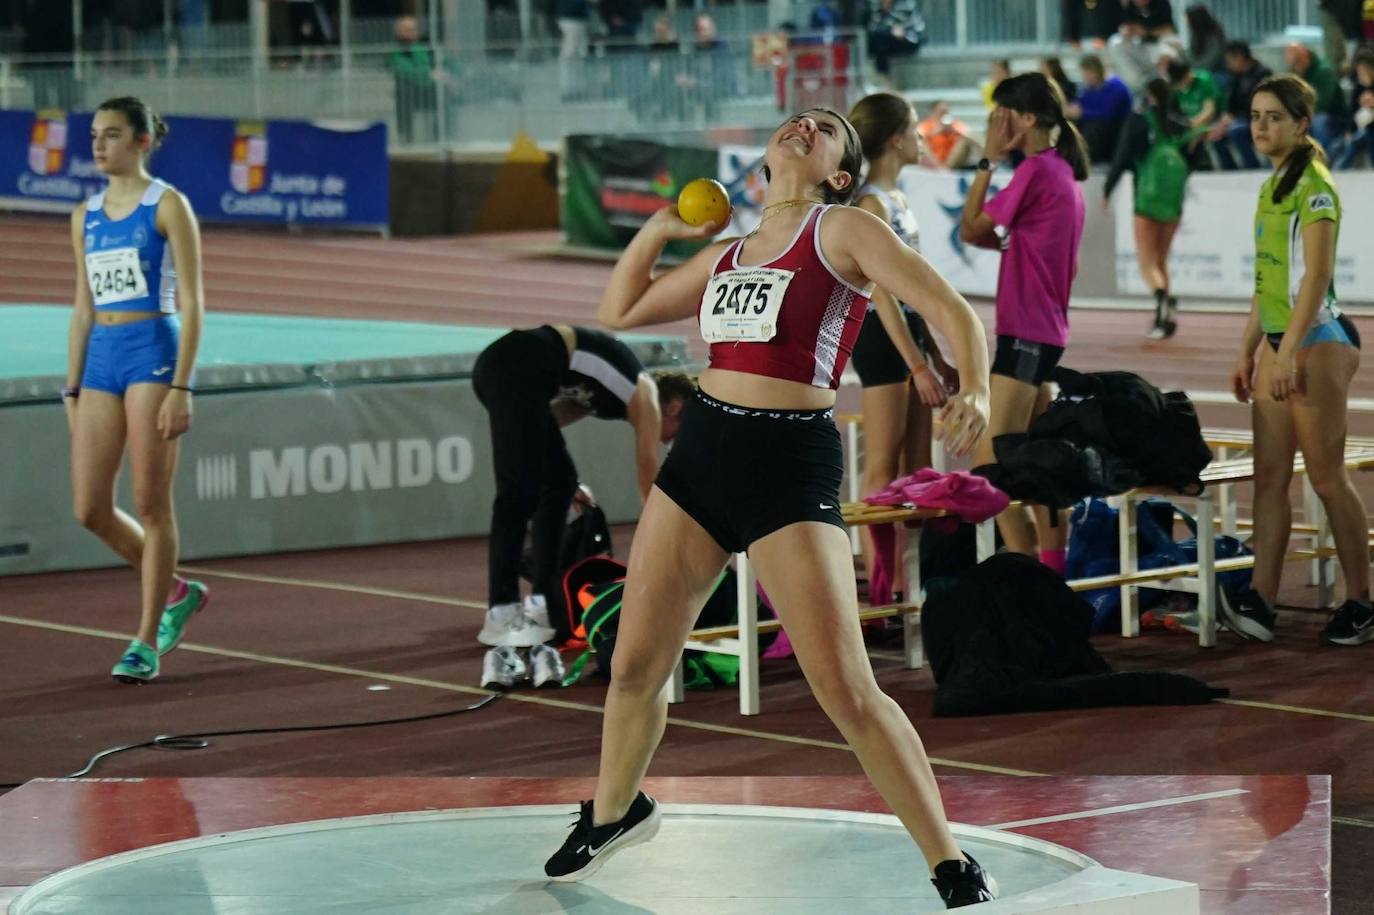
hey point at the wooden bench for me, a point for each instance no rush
(1202, 580)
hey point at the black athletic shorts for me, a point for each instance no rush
(743, 473)
(1025, 360)
(875, 357)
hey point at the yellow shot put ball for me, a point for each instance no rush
(703, 201)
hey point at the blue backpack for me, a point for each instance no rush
(1094, 550)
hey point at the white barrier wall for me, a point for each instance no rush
(1214, 252)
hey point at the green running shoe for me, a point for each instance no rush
(139, 664)
(172, 627)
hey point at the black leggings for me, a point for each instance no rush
(515, 378)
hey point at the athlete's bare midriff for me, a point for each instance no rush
(125, 317)
(760, 391)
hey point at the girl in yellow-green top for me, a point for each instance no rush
(1299, 389)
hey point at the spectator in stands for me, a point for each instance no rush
(572, 17)
(1151, 145)
(896, 30)
(622, 18)
(1230, 135)
(47, 29)
(1206, 41)
(1052, 68)
(1340, 21)
(947, 139)
(1200, 101)
(657, 96)
(708, 74)
(311, 29)
(412, 69)
(1135, 47)
(1362, 104)
(1102, 107)
(1001, 70)
(1096, 20)
(1329, 118)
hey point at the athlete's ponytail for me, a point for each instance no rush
(1038, 95)
(141, 118)
(1072, 148)
(1300, 101)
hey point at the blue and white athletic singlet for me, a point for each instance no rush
(128, 263)
(899, 218)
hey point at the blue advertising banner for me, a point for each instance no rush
(231, 171)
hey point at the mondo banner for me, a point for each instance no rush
(231, 171)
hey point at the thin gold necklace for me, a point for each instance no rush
(777, 208)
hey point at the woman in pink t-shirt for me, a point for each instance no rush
(1036, 221)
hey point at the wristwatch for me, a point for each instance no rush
(71, 391)
(984, 165)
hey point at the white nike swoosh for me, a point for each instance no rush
(593, 852)
(163, 371)
(823, 505)
(92, 225)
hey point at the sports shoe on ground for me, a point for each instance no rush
(962, 883)
(537, 617)
(588, 846)
(1351, 624)
(1188, 621)
(1156, 331)
(139, 664)
(172, 627)
(507, 626)
(503, 668)
(1246, 614)
(546, 667)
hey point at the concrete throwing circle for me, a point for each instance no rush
(719, 859)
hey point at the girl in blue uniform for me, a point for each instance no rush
(129, 367)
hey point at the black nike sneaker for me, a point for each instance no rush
(588, 847)
(1246, 614)
(1351, 624)
(962, 883)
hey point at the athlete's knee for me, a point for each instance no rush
(1272, 474)
(848, 705)
(638, 673)
(153, 506)
(92, 514)
(1329, 482)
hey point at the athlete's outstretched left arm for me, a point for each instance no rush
(177, 222)
(868, 245)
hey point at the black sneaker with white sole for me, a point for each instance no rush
(962, 883)
(589, 845)
(1351, 624)
(1246, 614)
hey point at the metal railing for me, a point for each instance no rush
(453, 100)
(956, 24)
(483, 96)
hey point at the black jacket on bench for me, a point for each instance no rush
(1010, 636)
(1106, 433)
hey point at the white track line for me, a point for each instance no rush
(1120, 808)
